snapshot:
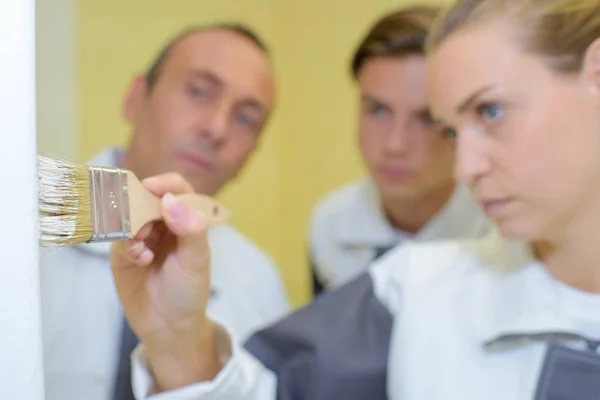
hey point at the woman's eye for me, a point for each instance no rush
(491, 112)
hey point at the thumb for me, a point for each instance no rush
(193, 252)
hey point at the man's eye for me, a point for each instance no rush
(196, 91)
(245, 120)
(377, 110)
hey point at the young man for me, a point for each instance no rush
(410, 194)
(194, 112)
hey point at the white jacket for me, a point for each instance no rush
(466, 320)
(348, 228)
(82, 316)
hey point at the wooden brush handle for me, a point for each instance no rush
(144, 207)
(214, 212)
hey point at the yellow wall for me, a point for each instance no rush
(309, 147)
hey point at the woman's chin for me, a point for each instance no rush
(518, 230)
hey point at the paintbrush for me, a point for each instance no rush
(87, 204)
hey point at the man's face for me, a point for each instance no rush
(405, 153)
(203, 116)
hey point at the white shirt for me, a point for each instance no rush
(348, 226)
(82, 316)
(470, 317)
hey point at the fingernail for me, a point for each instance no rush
(177, 210)
(136, 249)
(145, 257)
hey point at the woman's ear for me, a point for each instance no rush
(591, 66)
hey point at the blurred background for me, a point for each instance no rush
(89, 50)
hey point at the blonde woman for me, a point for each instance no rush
(513, 316)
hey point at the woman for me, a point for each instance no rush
(517, 316)
(513, 316)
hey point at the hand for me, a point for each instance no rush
(163, 281)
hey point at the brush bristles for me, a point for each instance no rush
(65, 206)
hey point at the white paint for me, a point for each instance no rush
(56, 60)
(21, 369)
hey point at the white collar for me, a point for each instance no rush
(460, 217)
(369, 226)
(521, 304)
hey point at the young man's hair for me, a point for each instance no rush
(396, 34)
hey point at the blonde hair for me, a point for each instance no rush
(559, 30)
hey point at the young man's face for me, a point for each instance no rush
(406, 155)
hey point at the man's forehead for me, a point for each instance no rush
(222, 53)
(214, 38)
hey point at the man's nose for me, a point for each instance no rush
(214, 122)
(398, 138)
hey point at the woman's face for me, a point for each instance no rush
(527, 137)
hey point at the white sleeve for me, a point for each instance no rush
(243, 377)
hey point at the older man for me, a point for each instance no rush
(197, 113)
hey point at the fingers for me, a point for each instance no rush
(181, 220)
(190, 228)
(129, 252)
(138, 253)
(167, 183)
(135, 250)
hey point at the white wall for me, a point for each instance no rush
(56, 77)
(21, 371)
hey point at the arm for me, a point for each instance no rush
(242, 376)
(162, 277)
(336, 347)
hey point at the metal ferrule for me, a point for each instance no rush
(110, 204)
